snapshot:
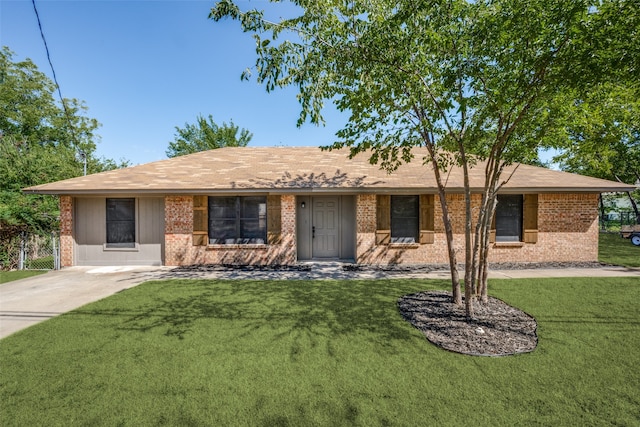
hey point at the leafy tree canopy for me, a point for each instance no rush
(40, 142)
(204, 135)
(601, 136)
(467, 79)
(451, 68)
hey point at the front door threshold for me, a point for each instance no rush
(326, 262)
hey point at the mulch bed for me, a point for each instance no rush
(241, 267)
(498, 329)
(427, 268)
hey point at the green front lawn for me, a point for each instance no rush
(8, 276)
(613, 249)
(277, 353)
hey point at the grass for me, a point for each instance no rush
(613, 249)
(299, 353)
(44, 263)
(8, 276)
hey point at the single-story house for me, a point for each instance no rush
(258, 205)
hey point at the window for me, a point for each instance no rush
(405, 219)
(508, 218)
(121, 223)
(237, 220)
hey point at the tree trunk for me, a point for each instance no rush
(493, 171)
(603, 223)
(453, 262)
(469, 264)
(429, 143)
(484, 252)
(448, 229)
(634, 205)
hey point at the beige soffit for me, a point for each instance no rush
(305, 170)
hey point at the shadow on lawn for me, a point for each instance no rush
(289, 308)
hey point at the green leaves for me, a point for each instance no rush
(603, 134)
(206, 135)
(39, 143)
(474, 72)
(467, 79)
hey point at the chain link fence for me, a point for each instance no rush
(31, 252)
(614, 221)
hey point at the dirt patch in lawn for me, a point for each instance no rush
(498, 329)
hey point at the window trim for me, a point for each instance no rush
(426, 221)
(107, 248)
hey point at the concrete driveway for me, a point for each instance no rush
(28, 301)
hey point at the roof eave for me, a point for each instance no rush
(324, 190)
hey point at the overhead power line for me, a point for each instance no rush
(55, 79)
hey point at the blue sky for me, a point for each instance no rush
(144, 67)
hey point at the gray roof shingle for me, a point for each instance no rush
(304, 170)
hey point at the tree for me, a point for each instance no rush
(39, 143)
(602, 136)
(470, 81)
(206, 135)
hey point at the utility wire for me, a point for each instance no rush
(55, 79)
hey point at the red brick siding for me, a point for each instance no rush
(178, 215)
(66, 231)
(179, 249)
(567, 231)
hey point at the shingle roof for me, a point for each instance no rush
(303, 170)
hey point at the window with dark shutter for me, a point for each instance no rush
(237, 220)
(405, 219)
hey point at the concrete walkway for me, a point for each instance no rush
(28, 301)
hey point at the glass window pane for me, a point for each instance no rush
(121, 232)
(404, 206)
(509, 218)
(222, 207)
(239, 220)
(404, 219)
(404, 230)
(121, 224)
(253, 224)
(120, 209)
(250, 229)
(251, 206)
(222, 231)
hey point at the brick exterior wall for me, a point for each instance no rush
(179, 248)
(567, 231)
(66, 231)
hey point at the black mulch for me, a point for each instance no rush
(498, 329)
(240, 267)
(426, 268)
